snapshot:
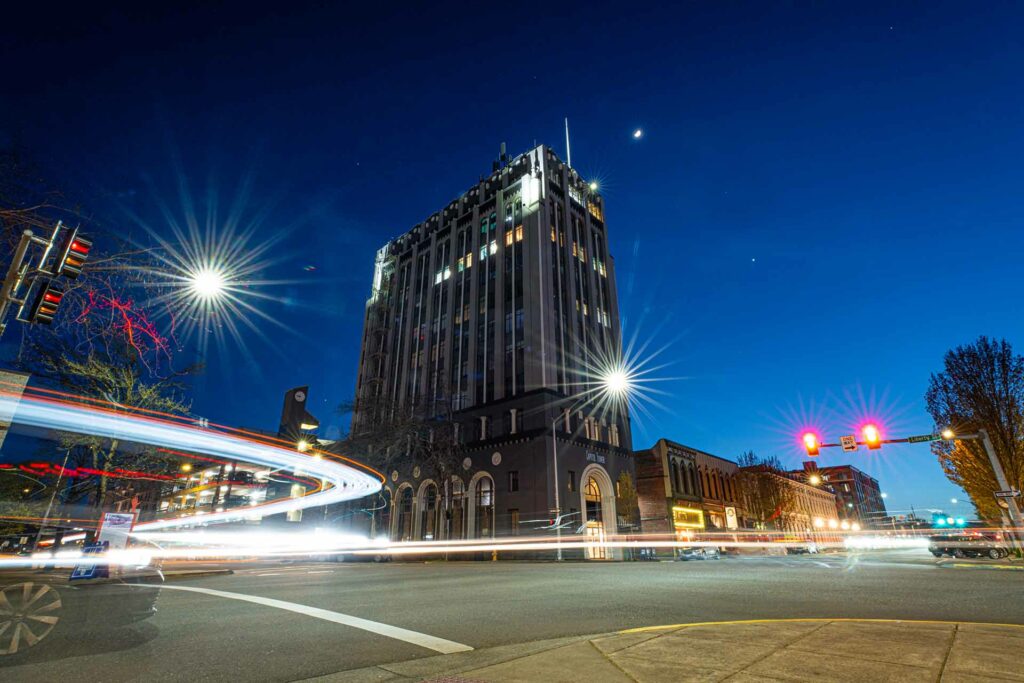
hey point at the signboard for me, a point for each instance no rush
(1012, 493)
(116, 528)
(849, 443)
(730, 518)
(596, 457)
(91, 570)
(923, 437)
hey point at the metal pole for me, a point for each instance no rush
(7, 293)
(1011, 502)
(558, 509)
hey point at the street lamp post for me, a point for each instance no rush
(558, 508)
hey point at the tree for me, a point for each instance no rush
(425, 435)
(766, 491)
(981, 386)
(627, 501)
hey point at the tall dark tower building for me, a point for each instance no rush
(503, 305)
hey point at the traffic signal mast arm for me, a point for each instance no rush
(909, 439)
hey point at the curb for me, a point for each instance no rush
(965, 565)
(179, 576)
(669, 627)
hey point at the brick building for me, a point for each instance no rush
(683, 490)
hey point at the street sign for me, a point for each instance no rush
(849, 443)
(923, 437)
(91, 570)
(1012, 493)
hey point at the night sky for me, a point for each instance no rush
(825, 199)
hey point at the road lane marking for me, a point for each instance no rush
(271, 574)
(421, 639)
(826, 565)
(322, 571)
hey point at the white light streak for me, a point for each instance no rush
(342, 482)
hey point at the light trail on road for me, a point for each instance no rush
(341, 481)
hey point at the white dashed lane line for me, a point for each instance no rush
(421, 639)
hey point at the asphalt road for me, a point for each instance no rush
(419, 609)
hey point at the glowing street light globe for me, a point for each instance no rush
(207, 283)
(617, 382)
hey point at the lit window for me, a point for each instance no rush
(519, 234)
(508, 238)
(437, 277)
(447, 272)
(469, 260)
(552, 233)
(494, 246)
(483, 252)
(460, 265)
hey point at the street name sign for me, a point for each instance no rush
(923, 437)
(1012, 493)
(849, 443)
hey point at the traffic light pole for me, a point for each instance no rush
(15, 276)
(19, 271)
(1017, 523)
(997, 469)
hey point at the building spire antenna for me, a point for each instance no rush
(568, 151)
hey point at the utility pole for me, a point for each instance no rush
(997, 468)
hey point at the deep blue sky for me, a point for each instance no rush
(827, 197)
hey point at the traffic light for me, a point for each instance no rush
(871, 437)
(73, 255)
(46, 303)
(811, 443)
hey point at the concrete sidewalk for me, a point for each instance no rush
(786, 650)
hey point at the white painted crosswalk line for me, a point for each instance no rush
(421, 639)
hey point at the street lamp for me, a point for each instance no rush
(814, 480)
(616, 384)
(207, 283)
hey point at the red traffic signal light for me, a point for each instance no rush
(73, 255)
(872, 438)
(811, 443)
(46, 303)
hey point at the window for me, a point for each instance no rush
(483, 427)
(513, 521)
(513, 481)
(572, 480)
(484, 500)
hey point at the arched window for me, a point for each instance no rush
(592, 495)
(484, 513)
(403, 528)
(458, 519)
(428, 513)
(704, 489)
(675, 475)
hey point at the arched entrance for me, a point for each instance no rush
(427, 499)
(481, 506)
(403, 514)
(457, 523)
(597, 496)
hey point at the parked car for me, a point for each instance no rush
(708, 552)
(809, 548)
(967, 545)
(38, 604)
